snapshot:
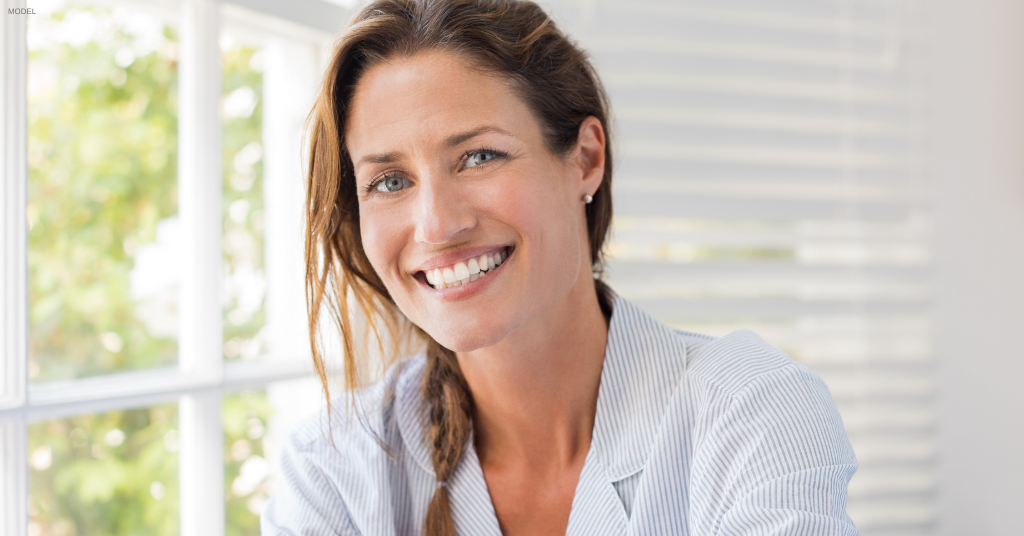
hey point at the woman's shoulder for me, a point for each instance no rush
(753, 432)
(736, 361)
(363, 420)
(332, 458)
(731, 362)
(646, 359)
(764, 434)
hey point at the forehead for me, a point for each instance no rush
(424, 98)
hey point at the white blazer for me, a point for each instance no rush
(694, 435)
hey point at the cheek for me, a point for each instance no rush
(546, 216)
(381, 242)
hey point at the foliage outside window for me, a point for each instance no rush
(245, 280)
(102, 154)
(114, 474)
(103, 284)
(246, 468)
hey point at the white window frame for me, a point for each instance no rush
(202, 377)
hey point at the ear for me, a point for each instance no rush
(589, 155)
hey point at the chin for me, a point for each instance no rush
(469, 336)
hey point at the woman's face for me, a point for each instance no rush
(453, 176)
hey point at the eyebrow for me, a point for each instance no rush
(383, 158)
(457, 139)
(449, 142)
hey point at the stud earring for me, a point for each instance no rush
(587, 198)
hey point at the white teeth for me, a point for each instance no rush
(465, 272)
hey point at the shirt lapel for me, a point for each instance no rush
(472, 509)
(596, 507)
(643, 365)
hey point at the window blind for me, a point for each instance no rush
(767, 177)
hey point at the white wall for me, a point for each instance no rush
(977, 168)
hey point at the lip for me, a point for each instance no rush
(469, 289)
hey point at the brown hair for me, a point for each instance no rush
(513, 39)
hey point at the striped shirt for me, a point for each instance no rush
(694, 435)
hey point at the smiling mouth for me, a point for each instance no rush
(465, 272)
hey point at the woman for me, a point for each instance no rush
(459, 198)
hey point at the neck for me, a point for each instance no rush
(535, 392)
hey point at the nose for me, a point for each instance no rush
(442, 214)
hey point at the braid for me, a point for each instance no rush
(450, 405)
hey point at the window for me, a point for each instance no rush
(108, 473)
(160, 335)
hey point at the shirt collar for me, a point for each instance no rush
(644, 362)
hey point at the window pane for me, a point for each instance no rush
(245, 280)
(269, 81)
(246, 415)
(114, 474)
(256, 423)
(102, 153)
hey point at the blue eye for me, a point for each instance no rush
(392, 183)
(481, 157)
